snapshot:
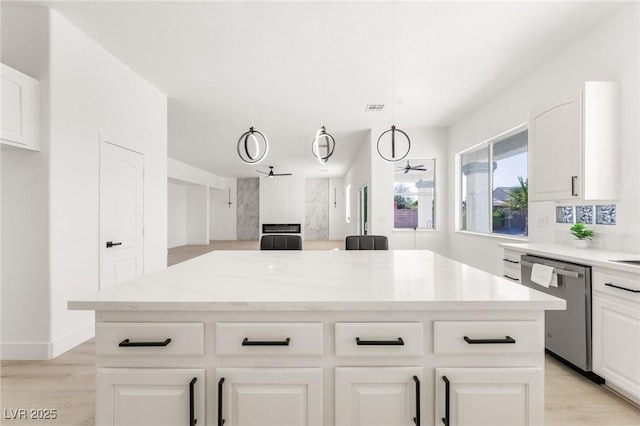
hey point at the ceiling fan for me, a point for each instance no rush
(271, 174)
(409, 167)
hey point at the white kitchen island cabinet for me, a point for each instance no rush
(322, 338)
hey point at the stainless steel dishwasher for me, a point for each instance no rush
(568, 332)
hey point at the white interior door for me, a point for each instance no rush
(121, 214)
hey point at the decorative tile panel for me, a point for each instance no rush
(606, 214)
(584, 214)
(564, 214)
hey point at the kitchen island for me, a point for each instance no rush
(319, 338)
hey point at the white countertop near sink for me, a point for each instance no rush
(320, 281)
(586, 256)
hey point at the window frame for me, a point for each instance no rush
(458, 190)
(435, 200)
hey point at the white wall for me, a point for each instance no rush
(89, 93)
(425, 143)
(197, 214)
(25, 292)
(223, 222)
(186, 173)
(177, 214)
(282, 200)
(359, 175)
(608, 51)
(336, 209)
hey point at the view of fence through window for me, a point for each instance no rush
(414, 195)
(495, 199)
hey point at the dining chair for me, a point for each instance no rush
(366, 242)
(281, 242)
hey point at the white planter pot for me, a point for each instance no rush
(581, 243)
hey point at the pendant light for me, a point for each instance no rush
(253, 145)
(323, 144)
(395, 134)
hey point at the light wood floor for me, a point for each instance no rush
(67, 383)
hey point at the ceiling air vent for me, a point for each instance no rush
(374, 107)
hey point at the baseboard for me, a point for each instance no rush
(40, 351)
(24, 351)
(71, 340)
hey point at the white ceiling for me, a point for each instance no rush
(295, 66)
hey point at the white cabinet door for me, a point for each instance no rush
(269, 396)
(489, 396)
(378, 396)
(616, 344)
(150, 397)
(574, 146)
(19, 94)
(554, 150)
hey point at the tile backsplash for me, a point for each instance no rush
(604, 214)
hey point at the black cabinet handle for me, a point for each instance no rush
(510, 278)
(128, 344)
(192, 403)
(573, 186)
(416, 419)
(397, 342)
(220, 419)
(621, 288)
(507, 339)
(510, 261)
(447, 387)
(111, 244)
(247, 342)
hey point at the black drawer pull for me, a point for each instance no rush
(397, 342)
(416, 419)
(447, 387)
(112, 244)
(507, 339)
(247, 342)
(192, 403)
(128, 344)
(510, 261)
(510, 278)
(621, 288)
(220, 389)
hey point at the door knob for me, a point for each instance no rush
(111, 244)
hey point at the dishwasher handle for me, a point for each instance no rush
(557, 271)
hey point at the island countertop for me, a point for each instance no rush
(318, 280)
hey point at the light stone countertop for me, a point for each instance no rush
(585, 256)
(318, 281)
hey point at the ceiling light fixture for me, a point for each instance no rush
(396, 136)
(323, 144)
(253, 146)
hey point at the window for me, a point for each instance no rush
(414, 195)
(494, 199)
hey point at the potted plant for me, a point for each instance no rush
(582, 233)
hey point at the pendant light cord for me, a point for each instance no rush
(393, 62)
(253, 48)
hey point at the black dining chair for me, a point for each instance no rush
(281, 242)
(366, 242)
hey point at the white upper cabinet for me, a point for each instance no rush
(19, 94)
(574, 146)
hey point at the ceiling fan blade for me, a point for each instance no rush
(406, 170)
(282, 174)
(264, 173)
(419, 169)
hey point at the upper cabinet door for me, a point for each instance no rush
(19, 94)
(574, 146)
(554, 150)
